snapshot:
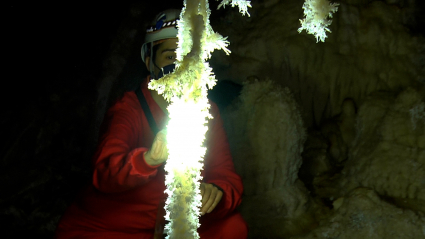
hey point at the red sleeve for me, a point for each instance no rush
(119, 164)
(219, 168)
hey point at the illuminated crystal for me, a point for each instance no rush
(186, 90)
(316, 20)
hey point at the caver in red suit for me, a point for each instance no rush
(126, 192)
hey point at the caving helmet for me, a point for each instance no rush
(164, 26)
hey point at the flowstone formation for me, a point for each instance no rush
(377, 190)
(388, 154)
(366, 166)
(362, 214)
(361, 96)
(266, 135)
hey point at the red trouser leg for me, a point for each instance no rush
(230, 227)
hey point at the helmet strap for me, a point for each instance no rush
(151, 64)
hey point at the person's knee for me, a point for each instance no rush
(230, 227)
(236, 227)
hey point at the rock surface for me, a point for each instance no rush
(370, 48)
(359, 96)
(388, 154)
(362, 214)
(266, 134)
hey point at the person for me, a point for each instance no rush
(126, 196)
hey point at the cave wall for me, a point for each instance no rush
(370, 48)
(266, 134)
(321, 106)
(361, 96)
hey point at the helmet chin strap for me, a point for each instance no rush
(166, 70)
(162, 71)
(151, 63)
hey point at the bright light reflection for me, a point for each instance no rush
(186, 89)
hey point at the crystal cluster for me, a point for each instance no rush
(316, 20)
(186, 89)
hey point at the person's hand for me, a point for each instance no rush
(211, 196)
(158, 153)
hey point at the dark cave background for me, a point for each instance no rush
(66, 63)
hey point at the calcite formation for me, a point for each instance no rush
(266, 134)
(362, 214)
(361, 94)
(388, 154)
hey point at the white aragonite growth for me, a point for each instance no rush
(362, 214)
(266, 136)
(186, 90)
(388, 154)
(242, 4)
(316, 20)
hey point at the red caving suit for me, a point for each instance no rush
(124, 197)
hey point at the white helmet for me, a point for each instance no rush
(164, 26)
